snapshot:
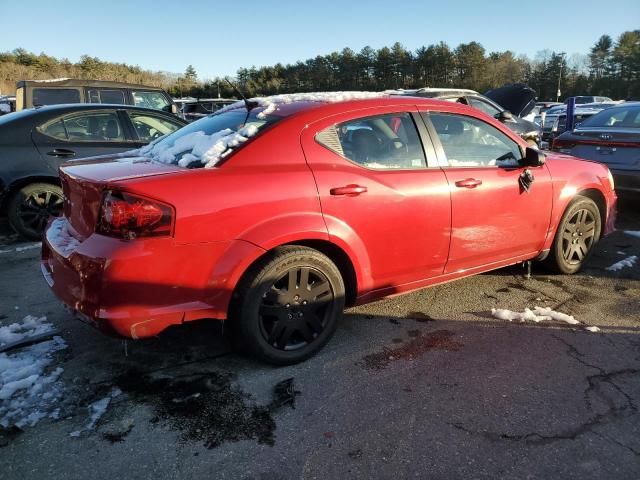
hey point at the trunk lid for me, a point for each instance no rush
(618, 149)
(519, 99)
(84, 182)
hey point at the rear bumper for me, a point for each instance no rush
(139, 288)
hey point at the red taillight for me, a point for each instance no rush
(129, 216)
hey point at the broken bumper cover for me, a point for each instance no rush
(138, 288)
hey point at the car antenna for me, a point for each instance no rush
(247, 103)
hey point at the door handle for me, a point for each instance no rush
(61, 152)
(468, 183)
(348, 190)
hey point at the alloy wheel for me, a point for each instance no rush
(296, 308)
(35, 209)
(578, 236)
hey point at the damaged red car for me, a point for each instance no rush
(275, 213)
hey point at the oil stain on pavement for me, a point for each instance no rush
(416, 347)
(206, 407)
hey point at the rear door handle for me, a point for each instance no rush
(61, 152)
(348, 190)
(468, 183)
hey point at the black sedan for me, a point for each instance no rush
(34, 142)
(612, 137)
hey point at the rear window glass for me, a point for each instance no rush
(615, 117)
(205, 142)
(55, 96)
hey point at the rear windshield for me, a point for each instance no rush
(622, 117)
(205, 142)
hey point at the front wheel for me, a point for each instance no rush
(288, 305)
(578, 232)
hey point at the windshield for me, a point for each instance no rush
(208, 140)
(622, 117)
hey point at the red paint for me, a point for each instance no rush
(401, 229)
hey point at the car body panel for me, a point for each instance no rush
(275, 190)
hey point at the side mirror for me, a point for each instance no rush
(532, 158)
(504, 115)
(174, 108)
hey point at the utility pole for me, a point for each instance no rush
(558, 93)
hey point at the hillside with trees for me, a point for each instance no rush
(612, 68)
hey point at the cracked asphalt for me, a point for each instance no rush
(425, 385)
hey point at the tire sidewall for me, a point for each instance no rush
(12, 211)
(250, 332)
(578, 203)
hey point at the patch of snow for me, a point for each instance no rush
(59, 236)
(626, 262)
(620, 252)
(633, 233)
(22, 249)
(96, 410)
(29, 388)
(538, 314)
(593, 329)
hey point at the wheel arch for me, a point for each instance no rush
(598, 198)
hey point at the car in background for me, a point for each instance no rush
(34, 142)
(518, 99)
(539, 109)
(612, 137)
(195, 109)
(274, 213)
(7, 104)
(555, 121)
(34, 93)
(582, 99)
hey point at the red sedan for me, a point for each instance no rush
(275, 213)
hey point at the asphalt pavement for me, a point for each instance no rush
(424, 385)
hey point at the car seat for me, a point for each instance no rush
(111, 130)
(364, 145)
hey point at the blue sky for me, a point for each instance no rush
(217, 37)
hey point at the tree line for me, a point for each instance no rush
(612, 68)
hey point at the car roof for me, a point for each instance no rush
(75, 82)
(435, 92)
(92, 106)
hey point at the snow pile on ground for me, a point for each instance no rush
(97, 410)
(626, 262)
(538, 314)
(633, 233)
(29, 387)
(24, 248)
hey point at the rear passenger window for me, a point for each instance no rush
(86, 127)
(55, 96)
(381, 142)
(106, 96)
(470, 142)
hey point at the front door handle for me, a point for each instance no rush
(468, 183)
(61, 152)
(348, 190)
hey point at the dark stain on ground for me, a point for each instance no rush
(355, 454)
(420, 317)
(503, 290)
(438, 340)
(413, 333)
(3, 317)
(397, 340)
(7, 435)
(395, 321)
(206, 407)
(117, 436)
(620, 288)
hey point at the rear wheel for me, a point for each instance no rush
(30, 208)
(578, 232)
(287, 307)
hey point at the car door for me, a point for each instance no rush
(82, 134)
(493, 217)
(379, 194)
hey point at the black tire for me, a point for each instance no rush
(30, 208)
(578, 233)
(287, 306)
